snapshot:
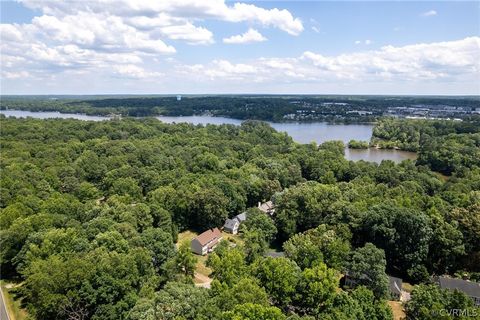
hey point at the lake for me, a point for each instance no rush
(50, 115)
(300, 132)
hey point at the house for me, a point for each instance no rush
(470, 288)
(231, 225)
(206, 242)
(241, 217)
(267, 207)
(395, 287)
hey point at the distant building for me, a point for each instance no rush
(179, 98)
(395, 287)
(206, 242)
(241, 217)
(267, 207)
(470, 288)
(231, 226)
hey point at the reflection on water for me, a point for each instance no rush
(377, 155)
(318, 132)
(50, 115)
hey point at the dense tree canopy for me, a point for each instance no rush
(90, 213)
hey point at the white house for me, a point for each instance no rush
(231, 225)
(206, 242)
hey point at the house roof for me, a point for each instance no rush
(230, 223)
(395, 284)
(470, 288)
(241, 217)
(208, 236)
(266, 206)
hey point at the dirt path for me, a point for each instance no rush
(202, 280)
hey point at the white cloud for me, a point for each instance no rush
(452, 61)
(92, 35)
(315, 29)
(15, 75)
(250, 36)
(177, 9)
(429, 13)
(133, 71)
(365, 42)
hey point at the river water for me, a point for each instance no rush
(300, 132)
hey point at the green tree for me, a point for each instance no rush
(185, 261)
(367, 266)
(430, 302)
(316, 287)
(279, 277)
(255, 245)
(254, 311)
(321, 244)
(260, 222)
(228, 265)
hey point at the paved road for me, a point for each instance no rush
(3, 309)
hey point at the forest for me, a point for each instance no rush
(276, 108)
(444, 146)
(91, 213)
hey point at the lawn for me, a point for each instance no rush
(397, 310)
(201, 267)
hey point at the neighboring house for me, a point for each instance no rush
(395, 287)
(231, 225)
(206, 242)
(470, 288)
(267, 207)
(241, 217)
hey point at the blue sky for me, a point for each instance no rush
(213, 46)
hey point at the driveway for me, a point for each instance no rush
(3, 307)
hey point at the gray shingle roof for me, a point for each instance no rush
(230, 223)
(470, 288)
(395, 285)
(241, 217)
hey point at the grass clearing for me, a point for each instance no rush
(407, 287)
(185, 236)
(234, 238)
(397, 310)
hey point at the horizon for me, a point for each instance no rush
(217, 47)
(238, 94)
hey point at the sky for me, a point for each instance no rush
(252, 47)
